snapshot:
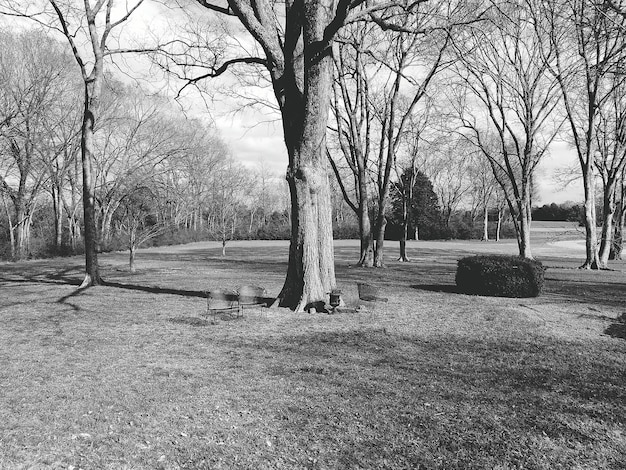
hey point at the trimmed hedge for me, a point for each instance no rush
(499, 276)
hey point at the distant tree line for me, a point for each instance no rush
(559, 212)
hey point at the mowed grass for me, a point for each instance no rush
(130, 375)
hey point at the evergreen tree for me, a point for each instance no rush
(425, 220)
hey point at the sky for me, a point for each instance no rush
(551, 189)
(253, 141)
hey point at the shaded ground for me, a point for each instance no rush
(132, 376)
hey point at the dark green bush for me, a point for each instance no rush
(499, 276)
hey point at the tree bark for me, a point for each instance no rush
(499, 224)
(57, 205)
(407, 197)
(618, 241)
(608, 212)
(405, 232)
(92, 273)
(486, 223)
(366, 259)
(524, 236)
(22, 222)
(132, 248)
(304, 89)
(591, 237)
(381, 223)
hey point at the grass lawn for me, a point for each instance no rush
(131, 376)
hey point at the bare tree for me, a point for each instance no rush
(505, 67)
(353, 113)
(136, 136)
(610, 159)
(450, 174)
(620, 218)
(483, 190)
(32, 81)
(382, 77)
(413, 158)
(94, 23)
(295, 41)
(229, 184)
(61, 160)
(588, 40)
(136, 218)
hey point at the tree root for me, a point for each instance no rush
(88, 281)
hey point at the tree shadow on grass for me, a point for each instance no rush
(445, 288)
(618, 329)
(484, 392)
(156, 290)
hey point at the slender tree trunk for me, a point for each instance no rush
(20, 230)
(405, 228)
(57, 206)
(11, 226)
(524, 218)
(381, 223)
(608, 213)
(92, 274)
(365, 230)
(499, 224)
(591, 237)
(251, 222)
(132, 248)
(486, 223)
(618, 240)
(524, 235)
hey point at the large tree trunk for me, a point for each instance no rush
(608, 213)
(311, 268)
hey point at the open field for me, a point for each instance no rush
(130, 376)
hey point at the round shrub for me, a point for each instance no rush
(499, 276)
